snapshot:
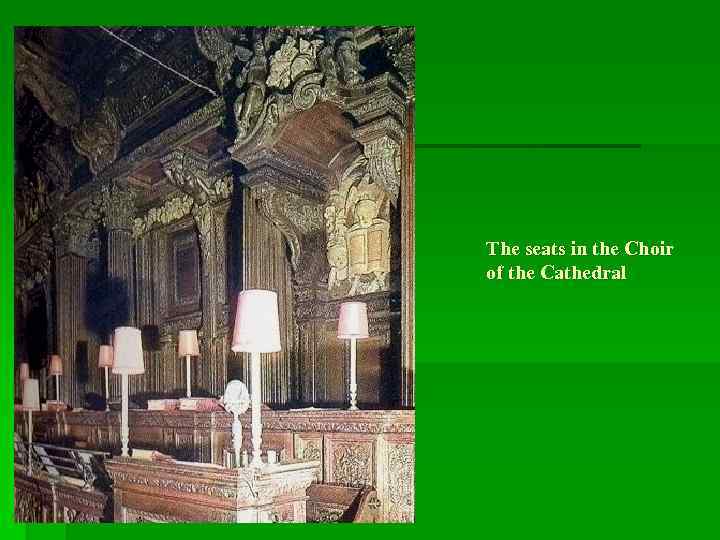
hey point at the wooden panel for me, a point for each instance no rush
(184, 272)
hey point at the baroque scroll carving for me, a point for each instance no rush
(295, 216)
(287, 71)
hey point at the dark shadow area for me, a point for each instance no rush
(150, 338)
(36, 332)
(108, 306)
(82, 362)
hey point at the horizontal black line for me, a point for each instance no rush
(468, 146)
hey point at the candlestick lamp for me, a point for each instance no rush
(353, 325)
(257, 330)
(127, 360)
(31, 402)
(56, 369)
(187, 347)
(105, 360)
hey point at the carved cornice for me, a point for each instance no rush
(200, 121)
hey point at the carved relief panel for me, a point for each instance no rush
(357, 224)
(350, 460)
(310, 446)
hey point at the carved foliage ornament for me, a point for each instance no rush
(172, 210)
(220, 45)
(190, 172)
(352, 465)
(400, 45)
(98, 137)
(72, 235)
(401, 482)
(115, 205)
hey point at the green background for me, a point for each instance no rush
(545, 409)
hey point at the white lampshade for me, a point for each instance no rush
(128, 357)
(56, 367)
(105, 357)
(31, 395)
(188, 343)
(24, 371)
(257, 326)
(353, 321)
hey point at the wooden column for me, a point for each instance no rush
(266, 266)
(71, 235)
(118, 215)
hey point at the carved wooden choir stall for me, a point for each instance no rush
(282, 162)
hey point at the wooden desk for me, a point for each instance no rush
(146, 491)
(355, 448)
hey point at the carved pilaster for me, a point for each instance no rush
(207, 366)
(407, 264)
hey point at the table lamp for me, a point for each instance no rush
(257, 330)
(187, 347)
(127, 360)
(105, 360)
(56, 369)
(31, 402)
(24, 371)
(353, 325)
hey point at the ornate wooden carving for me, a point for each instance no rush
(202, 493)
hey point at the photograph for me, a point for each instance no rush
(214, 274)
